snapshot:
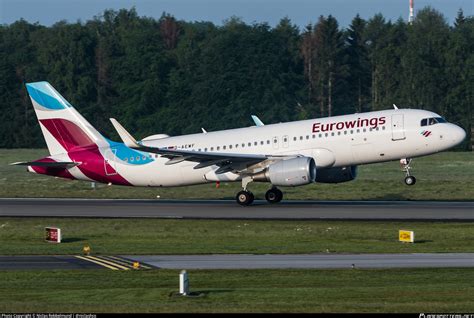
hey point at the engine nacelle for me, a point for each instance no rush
(289, 173)
(336, 175)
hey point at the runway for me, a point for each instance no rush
(220, 209)
(239, 261)
(317, 261)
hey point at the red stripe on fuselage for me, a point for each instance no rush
(82, 149)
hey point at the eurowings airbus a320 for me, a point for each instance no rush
(325, 150)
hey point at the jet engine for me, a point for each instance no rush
(336, 175)
(289, 173)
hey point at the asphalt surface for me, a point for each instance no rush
(245, 261)
(239, 261)
(207, 209)
(45, 262)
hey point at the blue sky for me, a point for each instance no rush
(301, 12)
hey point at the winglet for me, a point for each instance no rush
(395, 106)
(127, 139)
(257, 121)
(204, 131)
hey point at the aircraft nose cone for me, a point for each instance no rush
(457, 135)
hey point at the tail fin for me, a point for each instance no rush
(64, 129)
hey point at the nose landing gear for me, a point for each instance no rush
(405, 164)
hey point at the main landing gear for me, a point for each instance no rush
(274, 195)
(405, 164)
(245, 197)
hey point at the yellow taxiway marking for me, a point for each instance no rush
(98, 263)
(98, 259)
(126, 262)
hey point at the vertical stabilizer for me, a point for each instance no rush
(64, 129)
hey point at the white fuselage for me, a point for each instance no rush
(333, 142)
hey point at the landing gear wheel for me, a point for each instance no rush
(410, 180)
(244, 198)
(405, 165)
(273, 195)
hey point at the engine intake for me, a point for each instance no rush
(290, 172)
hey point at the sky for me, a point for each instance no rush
(301, 12)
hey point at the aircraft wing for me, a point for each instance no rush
(226, 161)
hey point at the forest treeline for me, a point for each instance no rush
(170, 76)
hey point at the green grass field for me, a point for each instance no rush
(444, 176)
(157, 236)
(395, 290)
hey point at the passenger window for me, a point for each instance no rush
(230, 146)
(249, 144)
(218, 148)
(224, 147)
(268, 142)
(255, 143)
(261, 142)
(294, 138)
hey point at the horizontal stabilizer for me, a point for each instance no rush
(54, 164)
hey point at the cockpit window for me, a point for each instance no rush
(432, 121)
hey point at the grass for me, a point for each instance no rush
(162, 236)
(444, 176)
(394, 290)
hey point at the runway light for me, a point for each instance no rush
(136, 265)
(86, 250)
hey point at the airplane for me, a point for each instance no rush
(321, 150)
